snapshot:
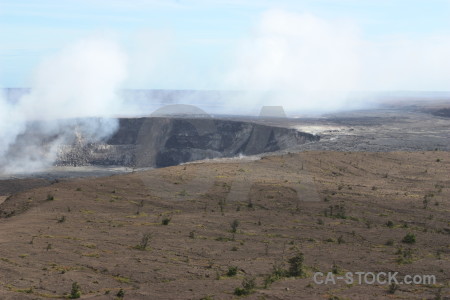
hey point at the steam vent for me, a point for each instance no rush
(272, 112)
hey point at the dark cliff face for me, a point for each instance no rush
(161, 142)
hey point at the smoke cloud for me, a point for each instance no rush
(74, 95)
(311, 64)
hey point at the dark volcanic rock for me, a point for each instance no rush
(444, 112)
(161, 142)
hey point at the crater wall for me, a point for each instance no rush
(161, 142)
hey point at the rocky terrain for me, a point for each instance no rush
(215, 230)
(257, 208)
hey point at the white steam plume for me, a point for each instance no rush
(81, 81)
(74, 93)
(297, 60)
(311, 64)
(12, 123)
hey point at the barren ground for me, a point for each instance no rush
(333, 207)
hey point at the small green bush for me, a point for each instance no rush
(248, 285)
(405, 256)
(144, 242)
(335, 269)
(234, 226)
(232, 271)
(296, 265)
(409, 238)
(389, 243)
(75, 292)
(392, 288)
(278, 273)
(120, 294)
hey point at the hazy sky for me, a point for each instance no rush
(188, 41)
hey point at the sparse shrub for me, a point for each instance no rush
(392, 288)
(234, 225)
(390, 224)
(248, 285)
(335, 268)
(165, 221)
(234, 248)
(320, 221)
(389, 243)
(192, 234)
(409, 238)
(78, 189)
(120, 294)
(62, 219)
(232, 271)
(296, 265)
(50, 197)
(144, 241)
(337, 211)
(224, 239)
(425, 203)
(340, 239)
(240, 291)
(75, 292)
(278, 273)
(405, 255)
